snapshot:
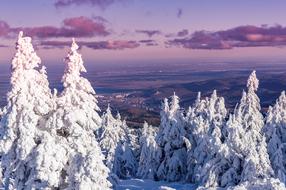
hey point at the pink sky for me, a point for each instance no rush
(147, 30)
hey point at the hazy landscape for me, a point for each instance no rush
(136, 90)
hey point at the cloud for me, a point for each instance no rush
(54, 44)
(200, 40)
(110, 45)
(115, 45)
(98, 3)
(4, 28)
(183, 33)
(242, 36)
(83, 26)
(179, 13)
(149, 33)
(149, 42)
(100, 19)
(71, 27)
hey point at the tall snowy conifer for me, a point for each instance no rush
(150, 153)
(205, 121)
(29, 104)
(114, 141)
(75, 121)
(239, 159)
(275, 130)
(172, 141)
(245, 138)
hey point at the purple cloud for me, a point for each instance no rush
(115, 45)
(110, 45)
(149, 42)
(183, 33)
(71, 27)
(54, 44)
(4, 28)
(99, 3)
(99, 19)
(3, 46)
(149, 33)
(179, 13)
(201, 40)
(83, 26)
(242, 36)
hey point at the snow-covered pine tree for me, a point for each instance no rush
(150, 153)
(74, 121)
(245, 138)
(131, 150)
(275, 131)
(205, 121)
(134, 137)
(29, 104)
(164, 120)
(172, 141)
(114, 141)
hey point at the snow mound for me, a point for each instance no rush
(266, 184)
(140, 184)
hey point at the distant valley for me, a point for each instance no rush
(137, 91)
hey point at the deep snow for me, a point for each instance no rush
(140, 184)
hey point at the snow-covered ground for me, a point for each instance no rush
(140, 184)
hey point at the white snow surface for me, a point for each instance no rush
(147, 184)
(140, 184)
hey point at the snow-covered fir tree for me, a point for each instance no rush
(239, 158)
(29, 104)
(114, 141)
(172, 141)
(75, 119)
(275, 131)
(245, 139)
(105, 143)
(205, 121)
(150, 153)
